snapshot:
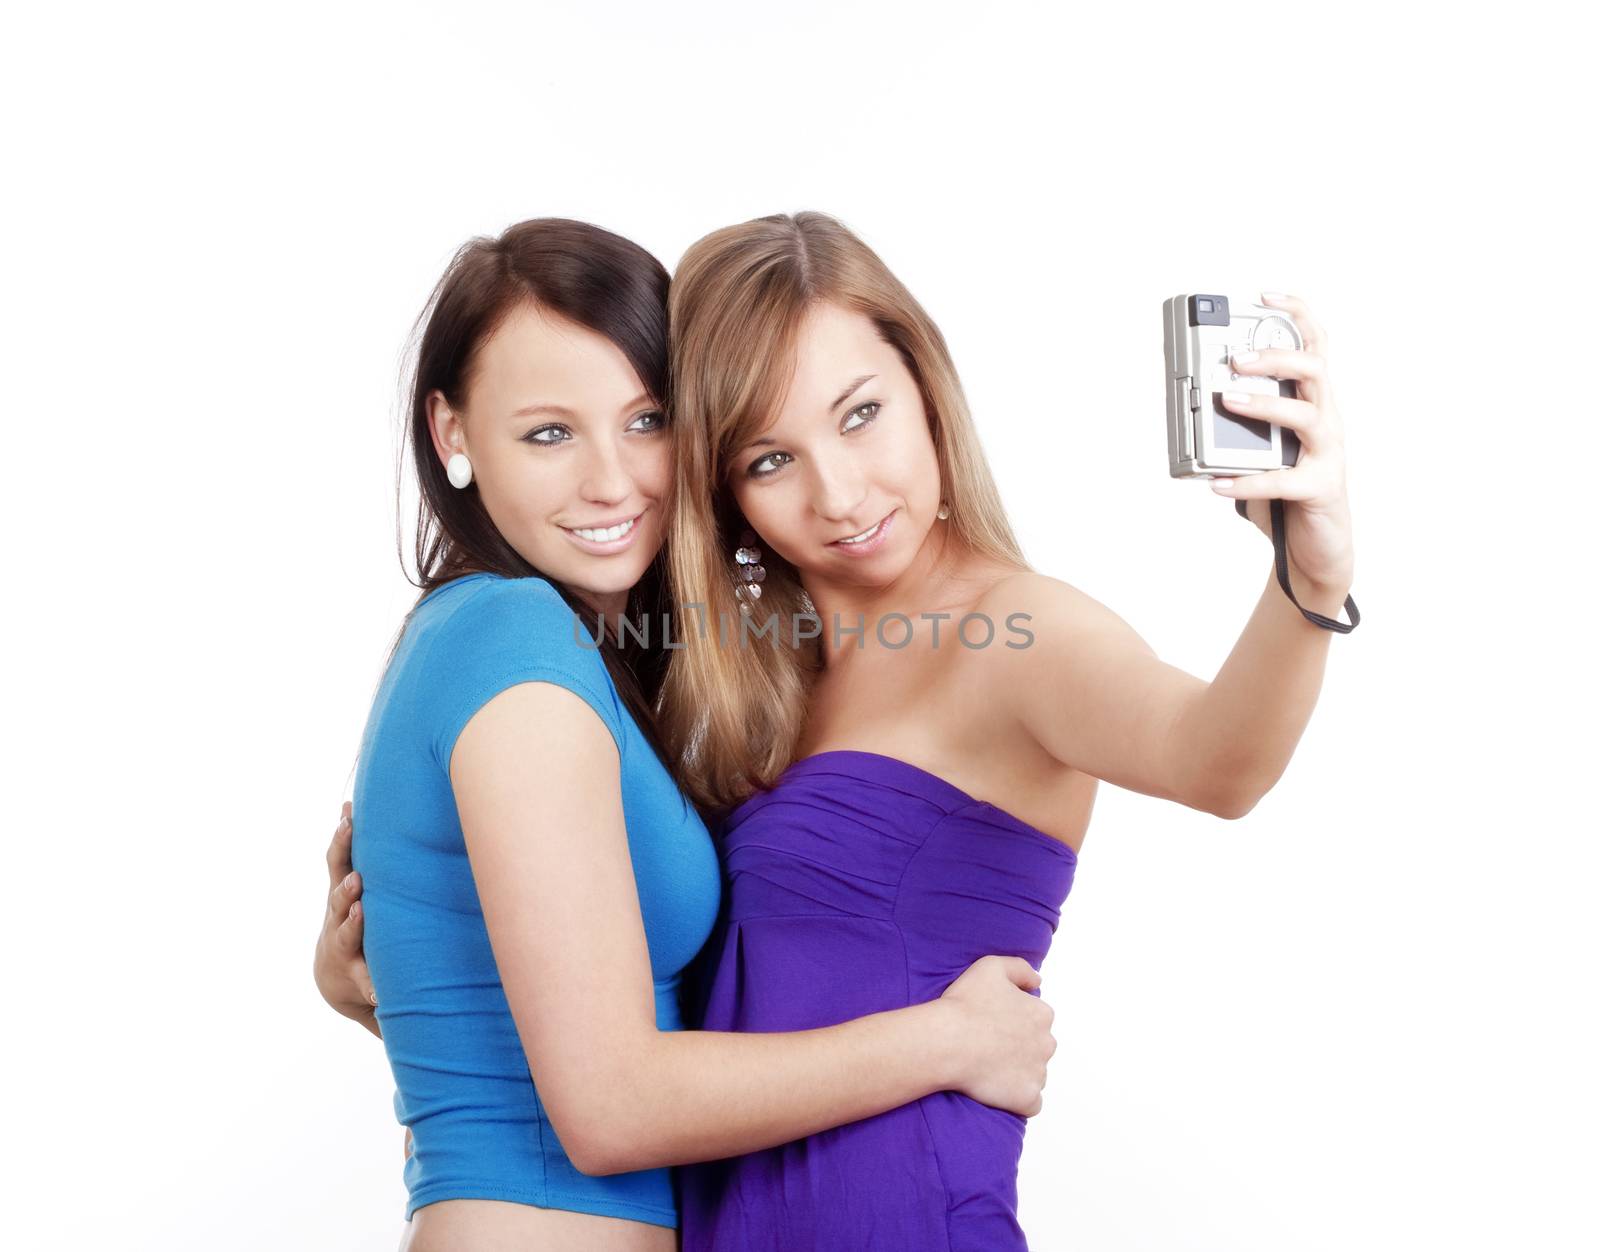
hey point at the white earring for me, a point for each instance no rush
(458, 469)
(944, 510)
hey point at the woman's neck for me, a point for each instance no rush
(925, 585)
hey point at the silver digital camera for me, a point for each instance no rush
(1206, 439)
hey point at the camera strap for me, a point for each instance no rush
(1281, 551)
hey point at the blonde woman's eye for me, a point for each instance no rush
(756, 467)
(653, 420)
(547, 435)
(857, 412)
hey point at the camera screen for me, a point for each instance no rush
(1229, 430)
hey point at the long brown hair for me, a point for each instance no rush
(589, 276)
(732, 716)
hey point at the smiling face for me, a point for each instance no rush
(569, 453)
(844, 483)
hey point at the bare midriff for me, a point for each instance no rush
(500, 1226)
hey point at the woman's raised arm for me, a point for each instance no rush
(1095, 695)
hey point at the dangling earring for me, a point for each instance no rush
(944, 510)
(458, 469)
(748, 572)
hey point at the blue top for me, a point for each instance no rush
(478, 1127)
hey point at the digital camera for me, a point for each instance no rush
(1205, 439)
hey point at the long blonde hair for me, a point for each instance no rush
(732, 715)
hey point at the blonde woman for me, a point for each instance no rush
(909, 669)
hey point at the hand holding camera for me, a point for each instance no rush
(1250, 407)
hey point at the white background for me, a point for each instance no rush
(1362, 1017)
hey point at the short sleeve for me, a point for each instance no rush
(502, 632)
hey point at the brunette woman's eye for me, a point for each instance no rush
(655, 419)
(755, 470)
(857, 412)
(547, 435)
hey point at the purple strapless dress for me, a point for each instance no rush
(861, 883)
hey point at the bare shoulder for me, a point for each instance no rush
(1091, 693)
(1057, 614)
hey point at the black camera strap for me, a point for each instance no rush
(1281, 550)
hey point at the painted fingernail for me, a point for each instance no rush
(1241, 358)
(1236, 397)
